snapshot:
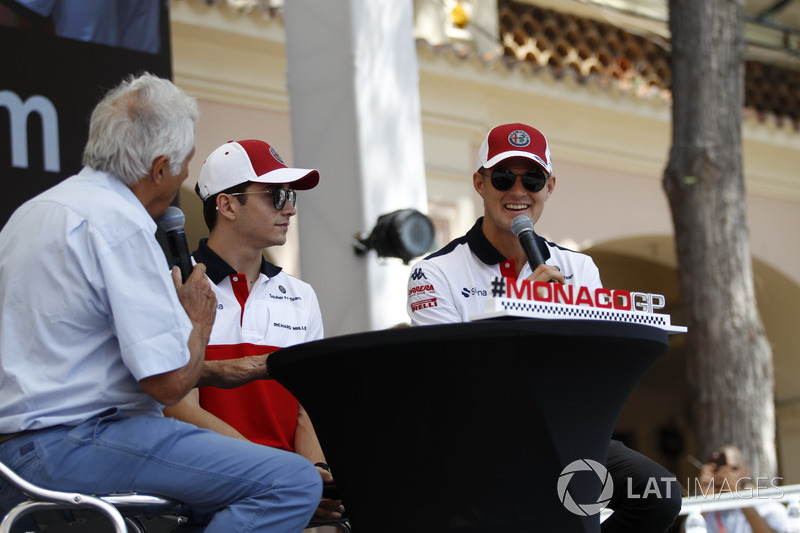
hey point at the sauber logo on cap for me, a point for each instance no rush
(519, 138)
(276, 156)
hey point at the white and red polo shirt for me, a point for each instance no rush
(279, 311)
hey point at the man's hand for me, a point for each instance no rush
(200, 304)
(197, 298)
(547, 273)
(328, 509)
(706, 477)
(232, 373)
(724, 478)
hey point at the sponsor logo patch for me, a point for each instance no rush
(276, 156)
(420, 288)
(423, 304)
(281, 297)
(474, 291)
(519, 138)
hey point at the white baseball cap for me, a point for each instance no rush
(238, 162)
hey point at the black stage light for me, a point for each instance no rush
(405, 233)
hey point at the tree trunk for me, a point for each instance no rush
(730, 361)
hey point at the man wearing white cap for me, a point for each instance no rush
(514, 177)
(249, 197)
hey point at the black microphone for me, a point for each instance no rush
(172, 223)
(522, 227)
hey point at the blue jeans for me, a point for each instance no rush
(228, 484)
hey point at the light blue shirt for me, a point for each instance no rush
(88, 306)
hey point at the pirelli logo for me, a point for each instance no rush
(423, 304)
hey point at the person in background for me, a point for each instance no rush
(514, 177)
(249, 197)
(726, 471)
(96, 336)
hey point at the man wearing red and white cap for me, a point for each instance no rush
(514, 177)
(249, 197)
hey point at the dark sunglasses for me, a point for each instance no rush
(279, 196)
(503, 179)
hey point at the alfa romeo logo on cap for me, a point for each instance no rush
(519, 138)
(276, 156)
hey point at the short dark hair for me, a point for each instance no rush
(210, 203)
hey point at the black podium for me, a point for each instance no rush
(469, 427)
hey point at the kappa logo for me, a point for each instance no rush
(519, 138)
(418, 274)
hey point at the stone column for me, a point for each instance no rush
(355, 113)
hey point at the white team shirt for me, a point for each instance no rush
(279, 310)
(454, 283)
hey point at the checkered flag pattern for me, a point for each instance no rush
(496, 307)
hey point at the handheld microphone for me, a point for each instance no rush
(172, 223)
(522, 227)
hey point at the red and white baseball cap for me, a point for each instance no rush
(515, 140)
(238, 162)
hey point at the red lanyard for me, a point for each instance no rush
(719, 523)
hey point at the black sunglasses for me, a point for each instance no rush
(279, 196)
(533, 180)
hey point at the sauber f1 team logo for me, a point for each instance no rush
(423, 304)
